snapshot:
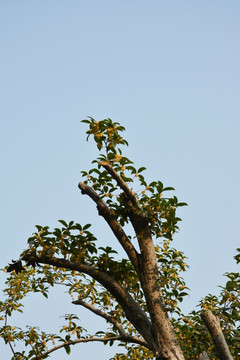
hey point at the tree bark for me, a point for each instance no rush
(109, 217)
(162, 329)
(213, 325)
(203, 356)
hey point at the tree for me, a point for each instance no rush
(139, 295)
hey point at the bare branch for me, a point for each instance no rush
(125, 338)
(102, 314)
(11, 348)
(113, 224)
(74, 342)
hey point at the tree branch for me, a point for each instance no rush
(74, 342)
(109, 318)
(102, 314)
(147, 270)
(214, 328)
(132, 310)
(109, 216)
(162, 326)
(203, 356)
(121, 183)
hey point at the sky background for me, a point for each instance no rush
(166, 70)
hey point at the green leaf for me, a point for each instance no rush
(67, 348)
(182, 204)
(86, 226)
(108, 250)
(141, 169)
(168, 188)
(39, 227)
(229, 286)
(153, 183)
(63, 223)
(132, 169)
(175, 292)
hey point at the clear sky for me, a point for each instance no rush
(166, 70)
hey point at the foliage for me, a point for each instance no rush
(69, 256)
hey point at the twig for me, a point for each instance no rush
(113, 338)
(126, 337)
(102, 314)
(9, 343)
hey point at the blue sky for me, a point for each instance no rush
(166, 70)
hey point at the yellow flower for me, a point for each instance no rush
(117, 158)
(10, 338)
(52, 338)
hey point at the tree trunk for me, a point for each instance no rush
(214, 328)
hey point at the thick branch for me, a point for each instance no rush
(162, 326)
(113, 224)
(132, 310)
(214, 328)
(162, 330)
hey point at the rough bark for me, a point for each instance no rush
(214, 328)
(162, 326)
(162, 330)
(203, 356)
